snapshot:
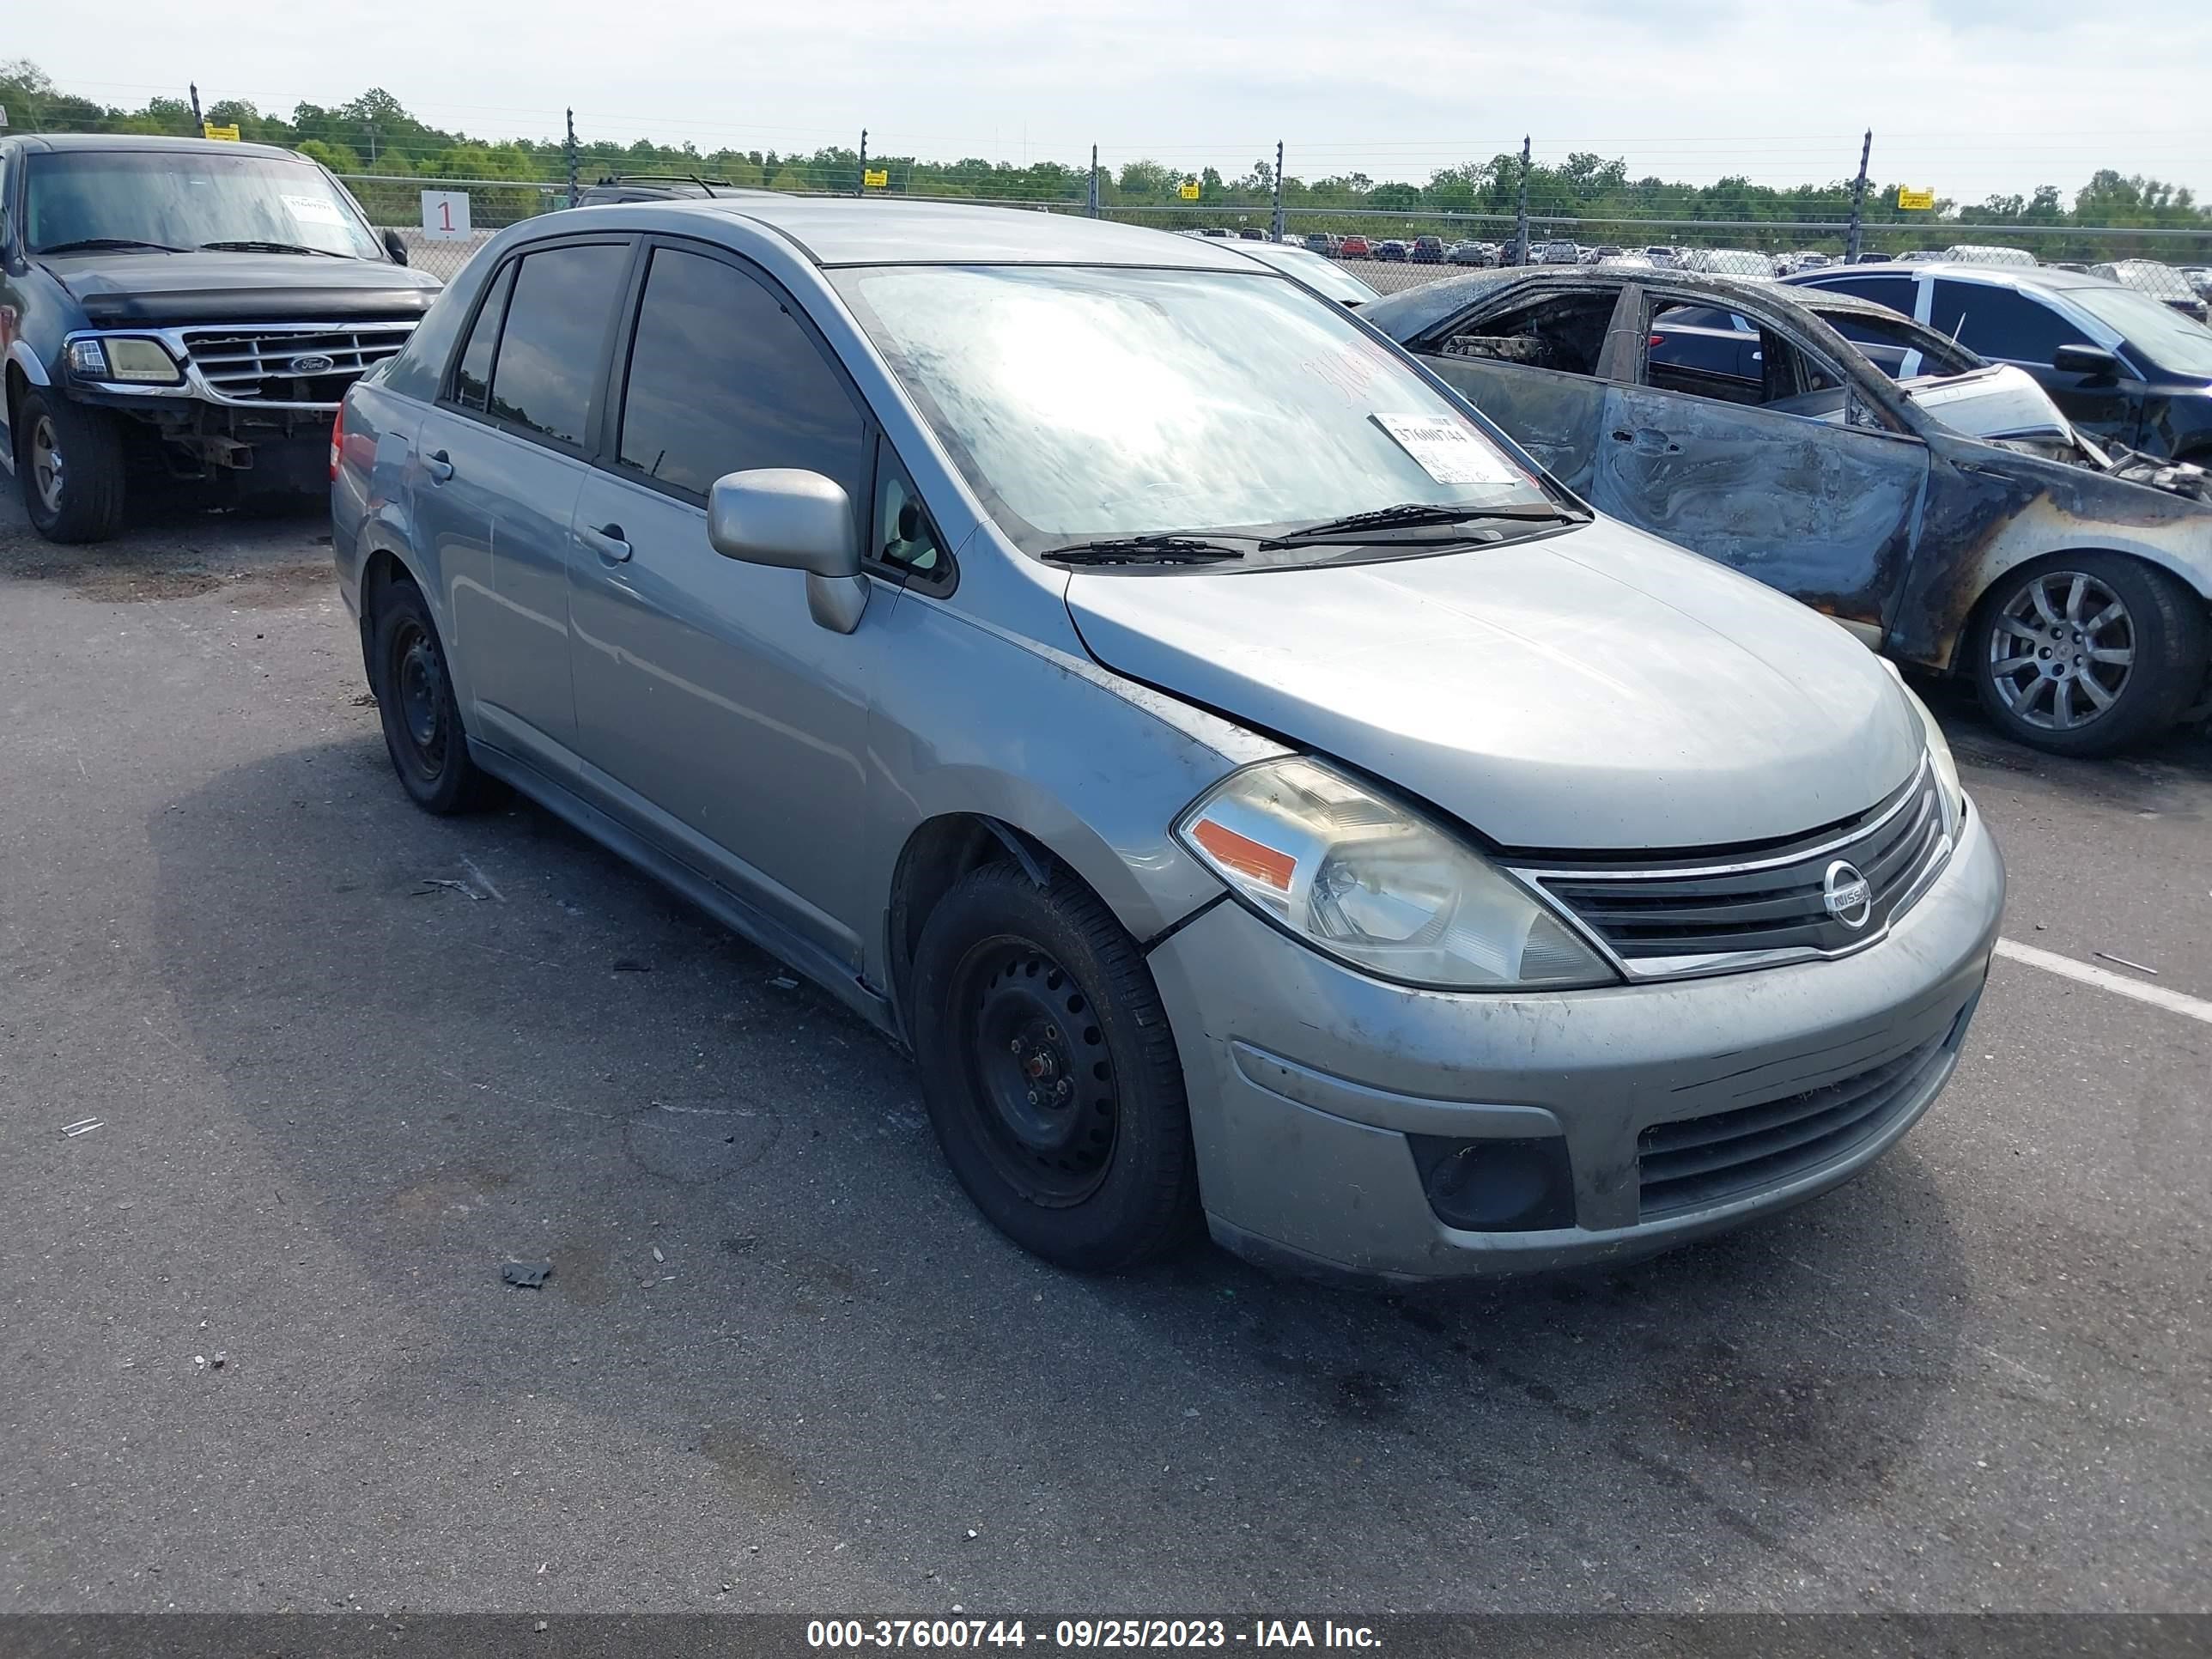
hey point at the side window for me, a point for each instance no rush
(723, 379)
(2000, 322)
(906, 538)
(1895, 292)
(1565, 333)
(549, 352)
(472, 380)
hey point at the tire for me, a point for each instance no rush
(1016, 985)
(423, 728)
(69, 459)
(2085, 653)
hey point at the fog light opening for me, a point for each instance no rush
(1496, 1186)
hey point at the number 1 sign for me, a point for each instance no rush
(446, 215)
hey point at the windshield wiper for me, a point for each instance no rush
(1417, 515)
(85, 245)
(1143, 549)
(271, 247)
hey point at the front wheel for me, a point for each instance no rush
(70, 461)
(1050, 1074)
(2084, 654)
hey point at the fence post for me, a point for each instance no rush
(1094, 181)
(1858, 203)
(1279, 190)
(1521, 223)
(860, 188)
(199, 122)
(568, 146)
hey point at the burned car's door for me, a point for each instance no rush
(1785, 476)
(1530, 365)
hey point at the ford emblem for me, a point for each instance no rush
(1847, 894)
(313, 362)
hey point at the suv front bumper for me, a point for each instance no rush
(1306, 1078)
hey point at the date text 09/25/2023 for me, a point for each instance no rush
(1086, 1633)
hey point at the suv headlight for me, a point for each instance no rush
(1368, 882)
(123, 358)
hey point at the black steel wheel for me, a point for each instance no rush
(422, 718)
(1050, 1074)
(2085, 653)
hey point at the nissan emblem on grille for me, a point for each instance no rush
(1847, 894)
(313, 362)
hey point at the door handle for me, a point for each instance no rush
(607, 542)
(1647, 442)
(439, 465)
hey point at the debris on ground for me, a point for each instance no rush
(83, 1126)
(528, 1274)
(657, 1255)
(218, 1360)
(784, 982)
(2139, 967)
(632, 965)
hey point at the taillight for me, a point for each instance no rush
(337, 441)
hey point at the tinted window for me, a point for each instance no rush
(549, 353)
(472, 380)
(722, 379)
(1895, 292)
(2000, 322)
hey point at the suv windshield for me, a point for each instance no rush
(1090, 403)
(2175, 343)
(182, 199)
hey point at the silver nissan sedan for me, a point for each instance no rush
(1253, 789)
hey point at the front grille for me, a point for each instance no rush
(1694, 1162)
(249, 365)
(1767, 903)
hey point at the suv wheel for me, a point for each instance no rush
(2084, 654)
(422, 717)
(1050, 1074)
(69, 460)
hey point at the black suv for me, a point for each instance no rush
(2126, 369)
(181, 306)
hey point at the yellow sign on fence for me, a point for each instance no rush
(1187, 189)
(1921, 200)
(214, 132)
(875, 178)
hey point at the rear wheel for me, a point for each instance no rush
(69, 460)
(1049, 1072)
(2084, 654)
(422, 718)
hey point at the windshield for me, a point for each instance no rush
(1324, 276)
(187, 198)
(2173, 340)
(1090, 402)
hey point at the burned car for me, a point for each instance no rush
(1951, 518)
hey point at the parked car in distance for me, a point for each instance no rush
(1953, 519)
(1352, 247)
(1661, 255)
(1251, 234)
(2161, 281)
(1321, 242)
(1973, 253)
(1392, 249)
(1317, 271)
(2135, 374)
(1473, 253)
(1427, 250)
(1190, 891)
(657, 187)
(1557, 253)
(1604, 251)
(1728, 262)
(177, 307)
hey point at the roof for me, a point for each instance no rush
(2017, 275)
(852, 231)
(1411, 311)
(147, 141)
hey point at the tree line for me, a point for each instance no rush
(376, 135)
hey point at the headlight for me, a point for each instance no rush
(123, 358)
(1368, 882)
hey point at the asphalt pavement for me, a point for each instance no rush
(256, 1351)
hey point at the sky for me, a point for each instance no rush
(1969, 98)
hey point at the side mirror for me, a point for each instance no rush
(396, 246)
(2093, 361)
(794, 521)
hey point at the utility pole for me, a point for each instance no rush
(862, 188)
(1279, 190)
(1858, 203)
(568, 145)
(1521, 229)
(199, 121)
(1094, 181)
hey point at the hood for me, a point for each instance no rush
(1594, 690)
(160, 289)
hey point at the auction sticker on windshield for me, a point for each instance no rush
(314, 210)
(1448, 452)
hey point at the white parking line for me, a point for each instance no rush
(2066, 968)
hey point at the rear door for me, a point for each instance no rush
(500, 460)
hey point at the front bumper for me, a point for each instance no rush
(1305, 1078)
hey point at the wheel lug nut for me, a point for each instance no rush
(1033, 1097)
(1015, 1047)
